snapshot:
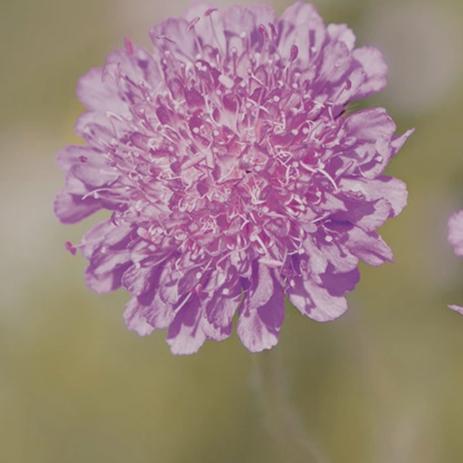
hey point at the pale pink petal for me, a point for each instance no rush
(98, 93)
(370, 125)
(71, 208)
(263, 311)
(302, 26)
(456, 308)
(342, 33)
(375, 68)
(315, 301)
(394, 191)
(135, 319)
(185, 335)
(369, 247)
(455, 233)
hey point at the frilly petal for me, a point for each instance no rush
(99, 93)
(263, 312)
(135, 319)
(342, 33)
(369, 247)
(392, 190)
(143, 317)
(185, 335)
(375, 69)
(104, 273)
(302, 26)
(70, 208)
(315, 301)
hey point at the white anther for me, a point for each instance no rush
(226, 81)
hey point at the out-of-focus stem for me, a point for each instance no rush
(281, 417)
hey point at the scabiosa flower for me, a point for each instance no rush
(234, 173)
(455, 236)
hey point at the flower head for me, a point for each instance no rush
(234, 173)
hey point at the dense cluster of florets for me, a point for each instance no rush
(234, 173)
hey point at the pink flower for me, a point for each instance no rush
(456, 240)
(234, 173)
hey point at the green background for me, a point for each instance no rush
(382, 384)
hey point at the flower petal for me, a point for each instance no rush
(302, 26)
(105, 271)
(394, 191)
(185, 335)
(369, 125)
(338, 283)
(456, 308)
(263, 312)
(135, 319)
(369, 247)
(375, 68)
(315, 301)
(144, 316)
(342, 33)
(455, 233)
(71, 208)
(99, 93)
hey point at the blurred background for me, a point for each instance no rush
(382, 384)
